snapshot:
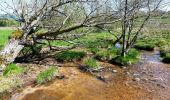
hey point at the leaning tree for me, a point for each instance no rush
(56, 16)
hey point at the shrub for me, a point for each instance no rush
(131, 57)
(47, 75)
(145, 45)
(91, 63)
(70, 55)
(12, 69)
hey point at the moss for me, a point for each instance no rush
(131, 57)
(70, 56)
(12, 69)
(47, 75)
(91, 63)
(16, 34)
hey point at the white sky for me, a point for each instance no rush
(165, 6)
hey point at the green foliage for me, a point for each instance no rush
(47, 75)
(166, 58)
(145, 45)
(91, 63)
(94, 50)
(12, 69)
(131, 57)
(70, 55)
(106, 55)
(4, 34)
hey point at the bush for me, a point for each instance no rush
(47, 75)
(70, 56)
(12, 69)
(131, 57)
(145, 45)
(91, 63)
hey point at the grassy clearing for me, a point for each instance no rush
(47, 75)
(4, 34)
(70, 56)
(12, 69)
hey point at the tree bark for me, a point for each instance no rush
(11, 51)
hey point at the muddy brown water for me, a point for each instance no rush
(148, 80)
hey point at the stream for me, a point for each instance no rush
(147, 80)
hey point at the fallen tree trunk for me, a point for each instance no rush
(11, 51)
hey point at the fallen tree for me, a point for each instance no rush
(56, 16)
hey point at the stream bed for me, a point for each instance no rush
(147, 80)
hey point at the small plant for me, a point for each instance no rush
(131, 58)
(47, 75)
(12, 69)
(91, 63)
(70, 56)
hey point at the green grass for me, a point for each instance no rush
(4, 34)
(107, 54)
(12, 69)
(70, 56)
(145, 45)
(47, 75)
(131, 57)
(91, 63)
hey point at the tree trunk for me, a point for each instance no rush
(11, 51)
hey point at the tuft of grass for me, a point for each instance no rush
(93, 50)
(106, 55)
(12, 69)
(91, 63)
(145, 45)
(70, 56)
(47, 75)
(131, 57)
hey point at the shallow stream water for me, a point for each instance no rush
(148, 80)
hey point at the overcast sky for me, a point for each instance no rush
(164, 6)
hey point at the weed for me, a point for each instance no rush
(12, 69)
(47, 75)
